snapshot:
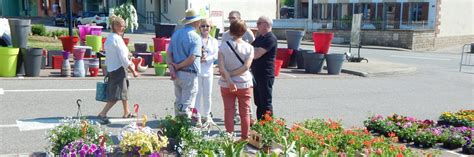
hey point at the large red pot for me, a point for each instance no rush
(126, 40)
(284, 55)
(161, 44)
(69, 42)
(322, 42)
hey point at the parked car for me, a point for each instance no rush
(99, 19)
(61, 20)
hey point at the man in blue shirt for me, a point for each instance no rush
(184, 63)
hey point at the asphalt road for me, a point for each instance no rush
(435, 87)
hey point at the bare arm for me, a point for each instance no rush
(188, 61)
(259, 52)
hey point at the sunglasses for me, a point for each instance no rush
(204, 26)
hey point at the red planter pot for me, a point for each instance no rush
(161, 44)
(69, 42)
(322, 42)
(278, 64)
(126, 40)
(284, 55)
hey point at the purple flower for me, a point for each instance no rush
(82, 153)
(85, 147)
(399, 124)
(411, 119)
(73, 155)
(389, 123)
(93, 148)
(154, 155)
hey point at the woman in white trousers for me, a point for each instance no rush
(205, 78)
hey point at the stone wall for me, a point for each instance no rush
(453, 40)
(409, 39)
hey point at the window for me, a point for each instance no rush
(165, 6)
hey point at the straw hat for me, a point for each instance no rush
(191, 16)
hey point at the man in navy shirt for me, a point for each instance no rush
(263, 66)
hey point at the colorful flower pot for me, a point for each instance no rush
(163, 55)
(284, 55)
(79, 52)
(160, 69)
(95, 42)
(161, 44)
(278, 64)
(322, 42)
(126, 40)
(8, 61)
(94, 72)
(69, 42)
(83, 31)
(65, 54)
(157, 57)
(96, 30)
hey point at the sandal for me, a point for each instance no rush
(103, 120)
(129, 115)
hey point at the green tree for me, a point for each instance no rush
(289, 3)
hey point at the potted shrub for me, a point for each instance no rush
(128, 12)
(138, 139)
(375, 123)
(427, 138)
(267, 132)
(468, 147)
(407, 132)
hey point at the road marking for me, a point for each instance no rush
(426, 58)
(287, 74)
(1, 91)
(453, 152)
(45, 90)
(8, 126)
(49, 123)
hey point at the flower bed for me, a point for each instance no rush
(425, 133)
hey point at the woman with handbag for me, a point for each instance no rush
(117, 63)
(235, 58)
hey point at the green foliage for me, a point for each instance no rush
(232, 149)
(289, 3)
(38, 29)
(71, 130)
(172, 126)
(128, 12)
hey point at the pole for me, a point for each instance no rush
(69, 16)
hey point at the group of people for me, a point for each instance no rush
(245, 61)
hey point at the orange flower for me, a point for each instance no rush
(366, 131)
(334, 149)
(296, 137)
(280, 122)
(367, 144)
(402, 148)
(399, 155)
(391, 134)
(429, 155)
(322, 143)
(267, 117)
(276, 129)
(352, 141)
(262, 122)
(379, 151)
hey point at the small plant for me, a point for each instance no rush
(407, 132)
(270, 129)
(375, 123)
(38, 29)
(427, 138)
(232, 149)
(79, 148)
(128, 12)
(74, 129)
(142, 143)
(461, 118)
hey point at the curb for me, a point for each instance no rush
(347, 46)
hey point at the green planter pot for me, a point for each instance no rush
(95, 42)
(8, 60)
(163, 54)
(160, 69)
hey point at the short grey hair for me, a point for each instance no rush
(266, 19)
(235, 12)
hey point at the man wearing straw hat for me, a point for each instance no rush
(184, 53)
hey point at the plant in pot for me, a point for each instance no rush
(375, 123)
(172, 127)
(128, 12)
(407, 132)
(427, 138)
(268, 130)
(468, 147)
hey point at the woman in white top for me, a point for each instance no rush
(236, 81)
(117, 62)
(209, 55)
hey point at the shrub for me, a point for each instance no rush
(38, 29)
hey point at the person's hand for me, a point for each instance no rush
(173, 75)
(175, 66)
(135, 73)
(232, 87)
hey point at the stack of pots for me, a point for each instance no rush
(322, 43)
(79, 68)
(141, 51)
(293, 38)
(159, 59)
(20, 28)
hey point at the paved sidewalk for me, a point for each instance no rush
(349, 69)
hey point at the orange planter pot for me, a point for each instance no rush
(69, 42)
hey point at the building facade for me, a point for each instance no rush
(412, 24)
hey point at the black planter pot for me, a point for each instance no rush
(140, 47)
(299, 55)
(313, 62)
(468, 151)
(451, 146)
(423, 144)
(164, 30)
